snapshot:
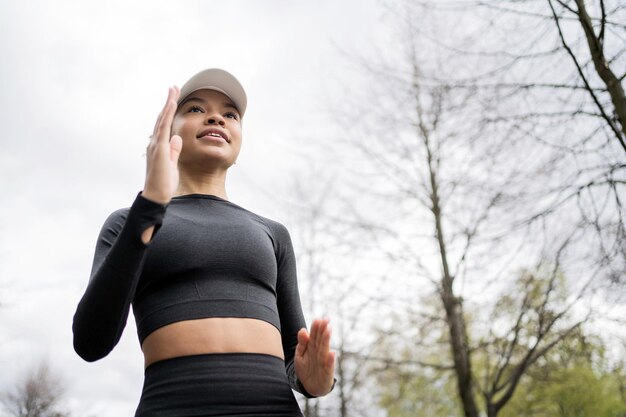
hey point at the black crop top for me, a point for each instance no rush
(208, 258)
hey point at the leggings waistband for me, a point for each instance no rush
(215, 358)
(218, 384)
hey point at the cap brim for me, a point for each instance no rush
(218, 80)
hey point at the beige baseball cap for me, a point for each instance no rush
(218, 80)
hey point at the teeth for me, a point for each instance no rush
(215, 134)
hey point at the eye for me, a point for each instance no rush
(232, 115)
(195, 109)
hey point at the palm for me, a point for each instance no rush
(162, 155)
(314, 362)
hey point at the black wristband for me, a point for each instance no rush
(146, 213)
(304, 392)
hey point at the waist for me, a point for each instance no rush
(212, 335)
(233, 384)
(186, 300)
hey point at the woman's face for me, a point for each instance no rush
(210, 126)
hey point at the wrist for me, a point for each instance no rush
(315, 393)
(155, 197)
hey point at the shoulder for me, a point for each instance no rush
(281, 240)
(278, 230)
(117, 216)
(278, 233)
(275, 228)
(115, 221)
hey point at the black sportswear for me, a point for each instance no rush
(210, 258)
(218, 385)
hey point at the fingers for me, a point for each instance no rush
(317, 341)
(176, 145)
(163, 123)
(303, 342)
(315, 362)
(330, 360)
(160, 116)
(320, 333)
(319, 344)
(162, 154)
(325, 340)
(155, 130)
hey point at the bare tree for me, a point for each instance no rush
(458, 192)
(38, 394)
(476, 159)
(328, 244)
(530, 321)
(549, 72)
(601, 64)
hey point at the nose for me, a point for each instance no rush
(215, 118)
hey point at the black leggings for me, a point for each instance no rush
(218, 384)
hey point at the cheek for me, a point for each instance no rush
(239, 141)
(236, 131)
(176, 126)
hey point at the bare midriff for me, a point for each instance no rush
(212, 335)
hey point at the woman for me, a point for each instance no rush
(213, 286)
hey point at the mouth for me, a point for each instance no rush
(213, 133)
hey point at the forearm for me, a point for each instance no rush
(103, 310)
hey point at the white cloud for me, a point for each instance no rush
(82, 83)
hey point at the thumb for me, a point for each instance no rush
(303, 341)
(176, 145)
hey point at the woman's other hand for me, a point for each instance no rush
(314, 361)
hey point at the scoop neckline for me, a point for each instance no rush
(206, 196)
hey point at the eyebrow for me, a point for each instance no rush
(200, 100)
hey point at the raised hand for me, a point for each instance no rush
(314, 361)
(162, 155)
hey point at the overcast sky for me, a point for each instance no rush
(81, 84)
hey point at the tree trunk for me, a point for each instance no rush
(452, 304)
(343, 406)
(613, 84)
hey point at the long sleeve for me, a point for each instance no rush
(103, 310)
(289, 306)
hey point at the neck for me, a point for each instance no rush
(213, 183)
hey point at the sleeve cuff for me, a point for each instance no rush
(145, 213)
(307, 394)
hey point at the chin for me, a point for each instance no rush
(207, 163)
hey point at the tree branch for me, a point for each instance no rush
(604, 71)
